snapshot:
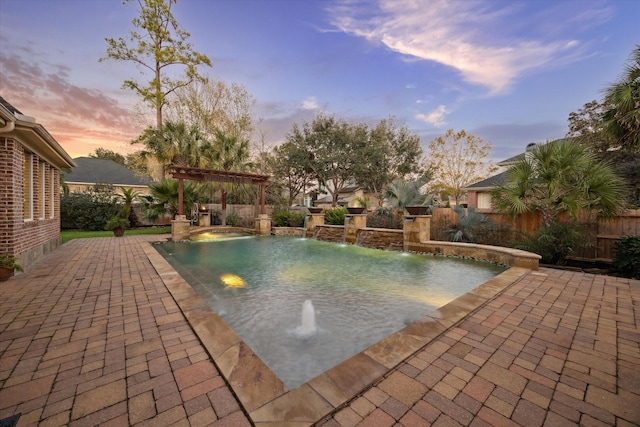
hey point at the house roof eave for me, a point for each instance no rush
(34, 137)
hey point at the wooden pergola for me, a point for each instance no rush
(196, 174)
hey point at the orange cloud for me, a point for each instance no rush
(80, 119)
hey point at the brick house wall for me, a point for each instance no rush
(27, 239)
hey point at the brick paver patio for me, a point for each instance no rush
(90, 335)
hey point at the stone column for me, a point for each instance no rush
(180, 228)
(416, 229)
(312, 221)
(352, 223)
(263, 224)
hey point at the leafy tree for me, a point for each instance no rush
(392, 153)
(587, 127)
(622, 100)
(334, 150)
(138, 162)
(457, 160)
(157, 42)
(103, 153)
(289, 165)
(561, 176)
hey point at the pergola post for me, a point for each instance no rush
(262, 200)
(180, 196)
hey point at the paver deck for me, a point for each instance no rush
(97, 334)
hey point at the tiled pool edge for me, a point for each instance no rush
(262, 394)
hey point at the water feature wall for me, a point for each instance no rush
(498, 254)
(329, 233)
(380, 238)
(416, 229)
(288, 231)
(353, 223)
(311, 222)
(263, 224)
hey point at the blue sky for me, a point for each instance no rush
(509, 72)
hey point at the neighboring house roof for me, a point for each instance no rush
(10, 107)
(512, 160)
(103, 171)
(495, 180)
(32, 135)
(488, 183)
(329, 199)
(349, 189)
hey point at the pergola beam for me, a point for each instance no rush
(211, 175)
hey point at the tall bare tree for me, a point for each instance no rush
(157, 42)
(215, 106)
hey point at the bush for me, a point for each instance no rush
(474, 227)
(289, 219)
(87, 211)
(554, 242)
(627, 259)
(233, 219)
(384, 218)
(335, 216)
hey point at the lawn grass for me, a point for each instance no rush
(80, 234)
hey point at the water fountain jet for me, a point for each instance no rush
(308, 326)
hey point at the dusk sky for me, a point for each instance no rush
(509, 72)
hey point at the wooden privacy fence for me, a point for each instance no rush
(602, 234)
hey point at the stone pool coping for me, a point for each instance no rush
(498, 254)
(264, 397)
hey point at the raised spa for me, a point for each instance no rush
(304, 305)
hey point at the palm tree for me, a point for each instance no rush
(176, 143)
(622, 117)
(228, 153)
(164, 198)
(128, 196)
(400, 194)
(561, 176)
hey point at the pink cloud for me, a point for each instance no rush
(81, 119)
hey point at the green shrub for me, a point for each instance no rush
(554, 242)
(288, 219)
(474, 227)
(87, 211)
(627, 259)
(335, 216)
(233, 219)
(384, 218)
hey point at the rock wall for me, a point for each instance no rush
(329, 233)
(378, 238)
(288, 231)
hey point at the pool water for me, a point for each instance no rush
(259, 285)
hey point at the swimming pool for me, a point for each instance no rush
(259, 285)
